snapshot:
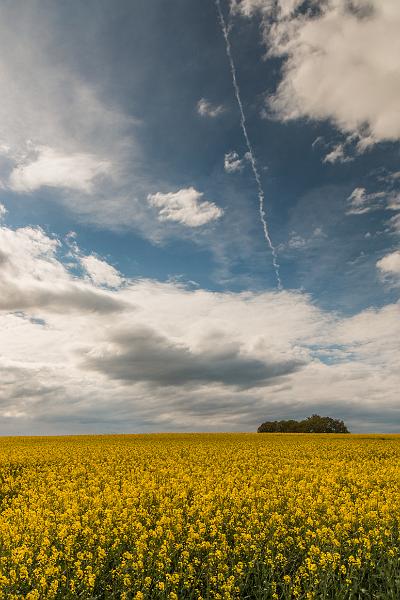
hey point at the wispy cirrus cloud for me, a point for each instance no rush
(337, 155)
(394, 223)
(205, 108)
(298, 242)
(361, 202)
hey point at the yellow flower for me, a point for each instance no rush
(199, 515)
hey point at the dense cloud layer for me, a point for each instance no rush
(159, 356)
(141, 354)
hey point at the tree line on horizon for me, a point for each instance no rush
(313, 424)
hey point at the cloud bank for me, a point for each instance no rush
(76, 356)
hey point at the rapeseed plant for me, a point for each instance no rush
(200, 516)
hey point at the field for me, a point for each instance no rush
(200, 516)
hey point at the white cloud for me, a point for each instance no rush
(337, 154)
(151, 366)
(205, 108)
(350, 146)
(52, 168)
(3, 211)
(390, 264)
(395, 176)
(57, 108)
(233, 163)
(394, 223)
(340, 63)
(33, 278)
(248, 7)
(361, 202)
(393, 201)
(100, 272)
(185, 206)
(66, 127)
(63, 128)
(298, 242)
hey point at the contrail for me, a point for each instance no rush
(253, 162)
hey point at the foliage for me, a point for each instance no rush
(200, 516)
(313, 424)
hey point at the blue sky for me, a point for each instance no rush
(138, 287)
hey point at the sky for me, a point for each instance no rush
(199, 231)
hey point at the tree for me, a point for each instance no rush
(317, 424)
(313, 424)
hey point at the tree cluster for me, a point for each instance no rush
(313, 424)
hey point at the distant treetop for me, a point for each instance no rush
(313, 424)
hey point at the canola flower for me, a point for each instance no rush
(200, 516)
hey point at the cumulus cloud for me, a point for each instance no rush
(33, 278)
(3, 211)
(205, 108)
(340, 63)
(100, 272)
(186, 206)
(233, 163)
(52, 168)
(390, 264)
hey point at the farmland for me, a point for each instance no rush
(200, 516)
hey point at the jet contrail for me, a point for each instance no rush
(253, 161)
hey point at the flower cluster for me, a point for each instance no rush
(200, 516)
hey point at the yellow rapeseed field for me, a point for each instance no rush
(200, 516)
